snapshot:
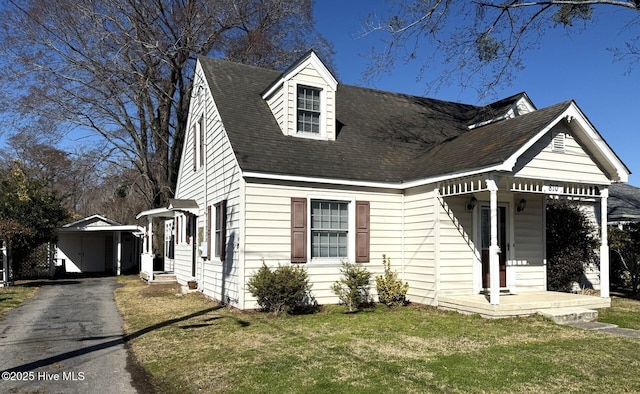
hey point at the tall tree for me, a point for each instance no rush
(482, 44)
(122, 68)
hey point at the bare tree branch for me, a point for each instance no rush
(480, 44)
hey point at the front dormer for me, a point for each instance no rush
(303, 100)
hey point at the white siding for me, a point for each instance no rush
(221, 181)
(420, 234)
(572, 165)
(277, 105)
(526, 271)
(268, 233)
(457, 253)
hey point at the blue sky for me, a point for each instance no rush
(567, 66)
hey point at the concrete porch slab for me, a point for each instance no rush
(521, 304)
(568, 315)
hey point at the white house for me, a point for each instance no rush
(294, 168)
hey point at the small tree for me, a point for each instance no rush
(571, 244)
(353, 288)
(283, 290)
(391, 291)
(30, 212)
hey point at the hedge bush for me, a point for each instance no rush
(354, 286)
(285, 289)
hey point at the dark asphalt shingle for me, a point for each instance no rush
(623, 203)
(381, 136)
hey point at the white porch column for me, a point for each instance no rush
(119, 252)
(604, 246)
(149, 247)
(5, 264)
(494, 249)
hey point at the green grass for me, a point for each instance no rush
(624, 312)
(191, 346)
(12, 296)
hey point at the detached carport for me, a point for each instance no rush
(96, 244)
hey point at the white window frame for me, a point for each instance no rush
(322, 117)
(351, 230)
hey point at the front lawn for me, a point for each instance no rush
(12, 296)
(191, 345)
(625, 312)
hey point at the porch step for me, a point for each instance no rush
(568, 315)
(163, 279)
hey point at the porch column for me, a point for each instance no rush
(494, 249)
(604, 246)
(149, 247)
(119, 252)
(5, 265)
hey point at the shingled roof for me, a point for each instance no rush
(381, 136)
(624, 203)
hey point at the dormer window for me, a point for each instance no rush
(308, 110)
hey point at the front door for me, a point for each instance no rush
(485, 229)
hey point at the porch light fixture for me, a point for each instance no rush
(472, 203)
(521, 205)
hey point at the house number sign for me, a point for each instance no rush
(553, 188)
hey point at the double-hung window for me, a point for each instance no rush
(217, 229)
(329, 228)
(308, 106)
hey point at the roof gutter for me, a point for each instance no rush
(383, 185)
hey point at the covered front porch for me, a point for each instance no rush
(502, 220)
(523, 304)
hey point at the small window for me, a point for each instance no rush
(329, 229)
(558, 142)
(201, 152)
(308, 110)
(197, 131)
(220, 229)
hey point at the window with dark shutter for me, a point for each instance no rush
(362, 231)
(221, 229)
(298, 230)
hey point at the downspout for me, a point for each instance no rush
(402, 240)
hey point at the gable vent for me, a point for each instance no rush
(557, 143)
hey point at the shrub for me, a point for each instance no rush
(285, 289)
(571, 245)
(565, 268)
(625, 257)
(391, 291)
(353, 287)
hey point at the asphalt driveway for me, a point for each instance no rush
(67, 339)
